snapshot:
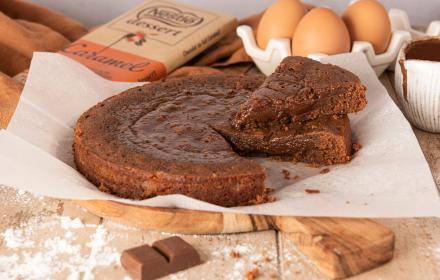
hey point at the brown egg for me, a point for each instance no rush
(367, 20)
(320, 31)
(279, 21)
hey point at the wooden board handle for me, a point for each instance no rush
(175, 220)
(340, 247)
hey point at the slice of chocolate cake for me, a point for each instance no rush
(322, 141)
(302, 89)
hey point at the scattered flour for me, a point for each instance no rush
(21, 192)
(62, 256)
(15, 238)
(67, 223)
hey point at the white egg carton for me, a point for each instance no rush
(279, 48)
(400, 21)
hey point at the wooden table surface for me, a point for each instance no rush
(42, 238)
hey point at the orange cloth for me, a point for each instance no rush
(10, 91)
(20, 38)
(226, 56)
(24, 29)
(229, 50)
(18, 9)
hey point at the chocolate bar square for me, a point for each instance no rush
(162, 258)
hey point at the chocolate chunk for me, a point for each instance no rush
(164, 257)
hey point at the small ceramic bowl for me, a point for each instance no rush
(277, 49)
(417, 84)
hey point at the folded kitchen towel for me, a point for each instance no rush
(10, 91)
(227, 56)
(18, 9)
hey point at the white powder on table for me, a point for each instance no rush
(61, 254)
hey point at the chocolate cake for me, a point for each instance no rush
(323, 141)
(175, 137)
(157, 140)
(302, 89)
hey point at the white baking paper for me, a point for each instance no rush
(388, 177)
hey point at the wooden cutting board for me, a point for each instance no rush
(339, 247)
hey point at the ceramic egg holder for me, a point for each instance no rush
(279, 48)
(400, 21)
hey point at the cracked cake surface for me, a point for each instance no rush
(157, 139)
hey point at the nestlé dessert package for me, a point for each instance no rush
(149, 41)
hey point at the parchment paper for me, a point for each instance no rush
(388, 177)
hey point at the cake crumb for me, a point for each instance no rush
(266, 197)
(324, 171)
(356, 147)
(315, 165)
(312, 191)
(286, 174)
(295, 177)
(104, 189)
(253, 274)
(234, 254)
(267, 259)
